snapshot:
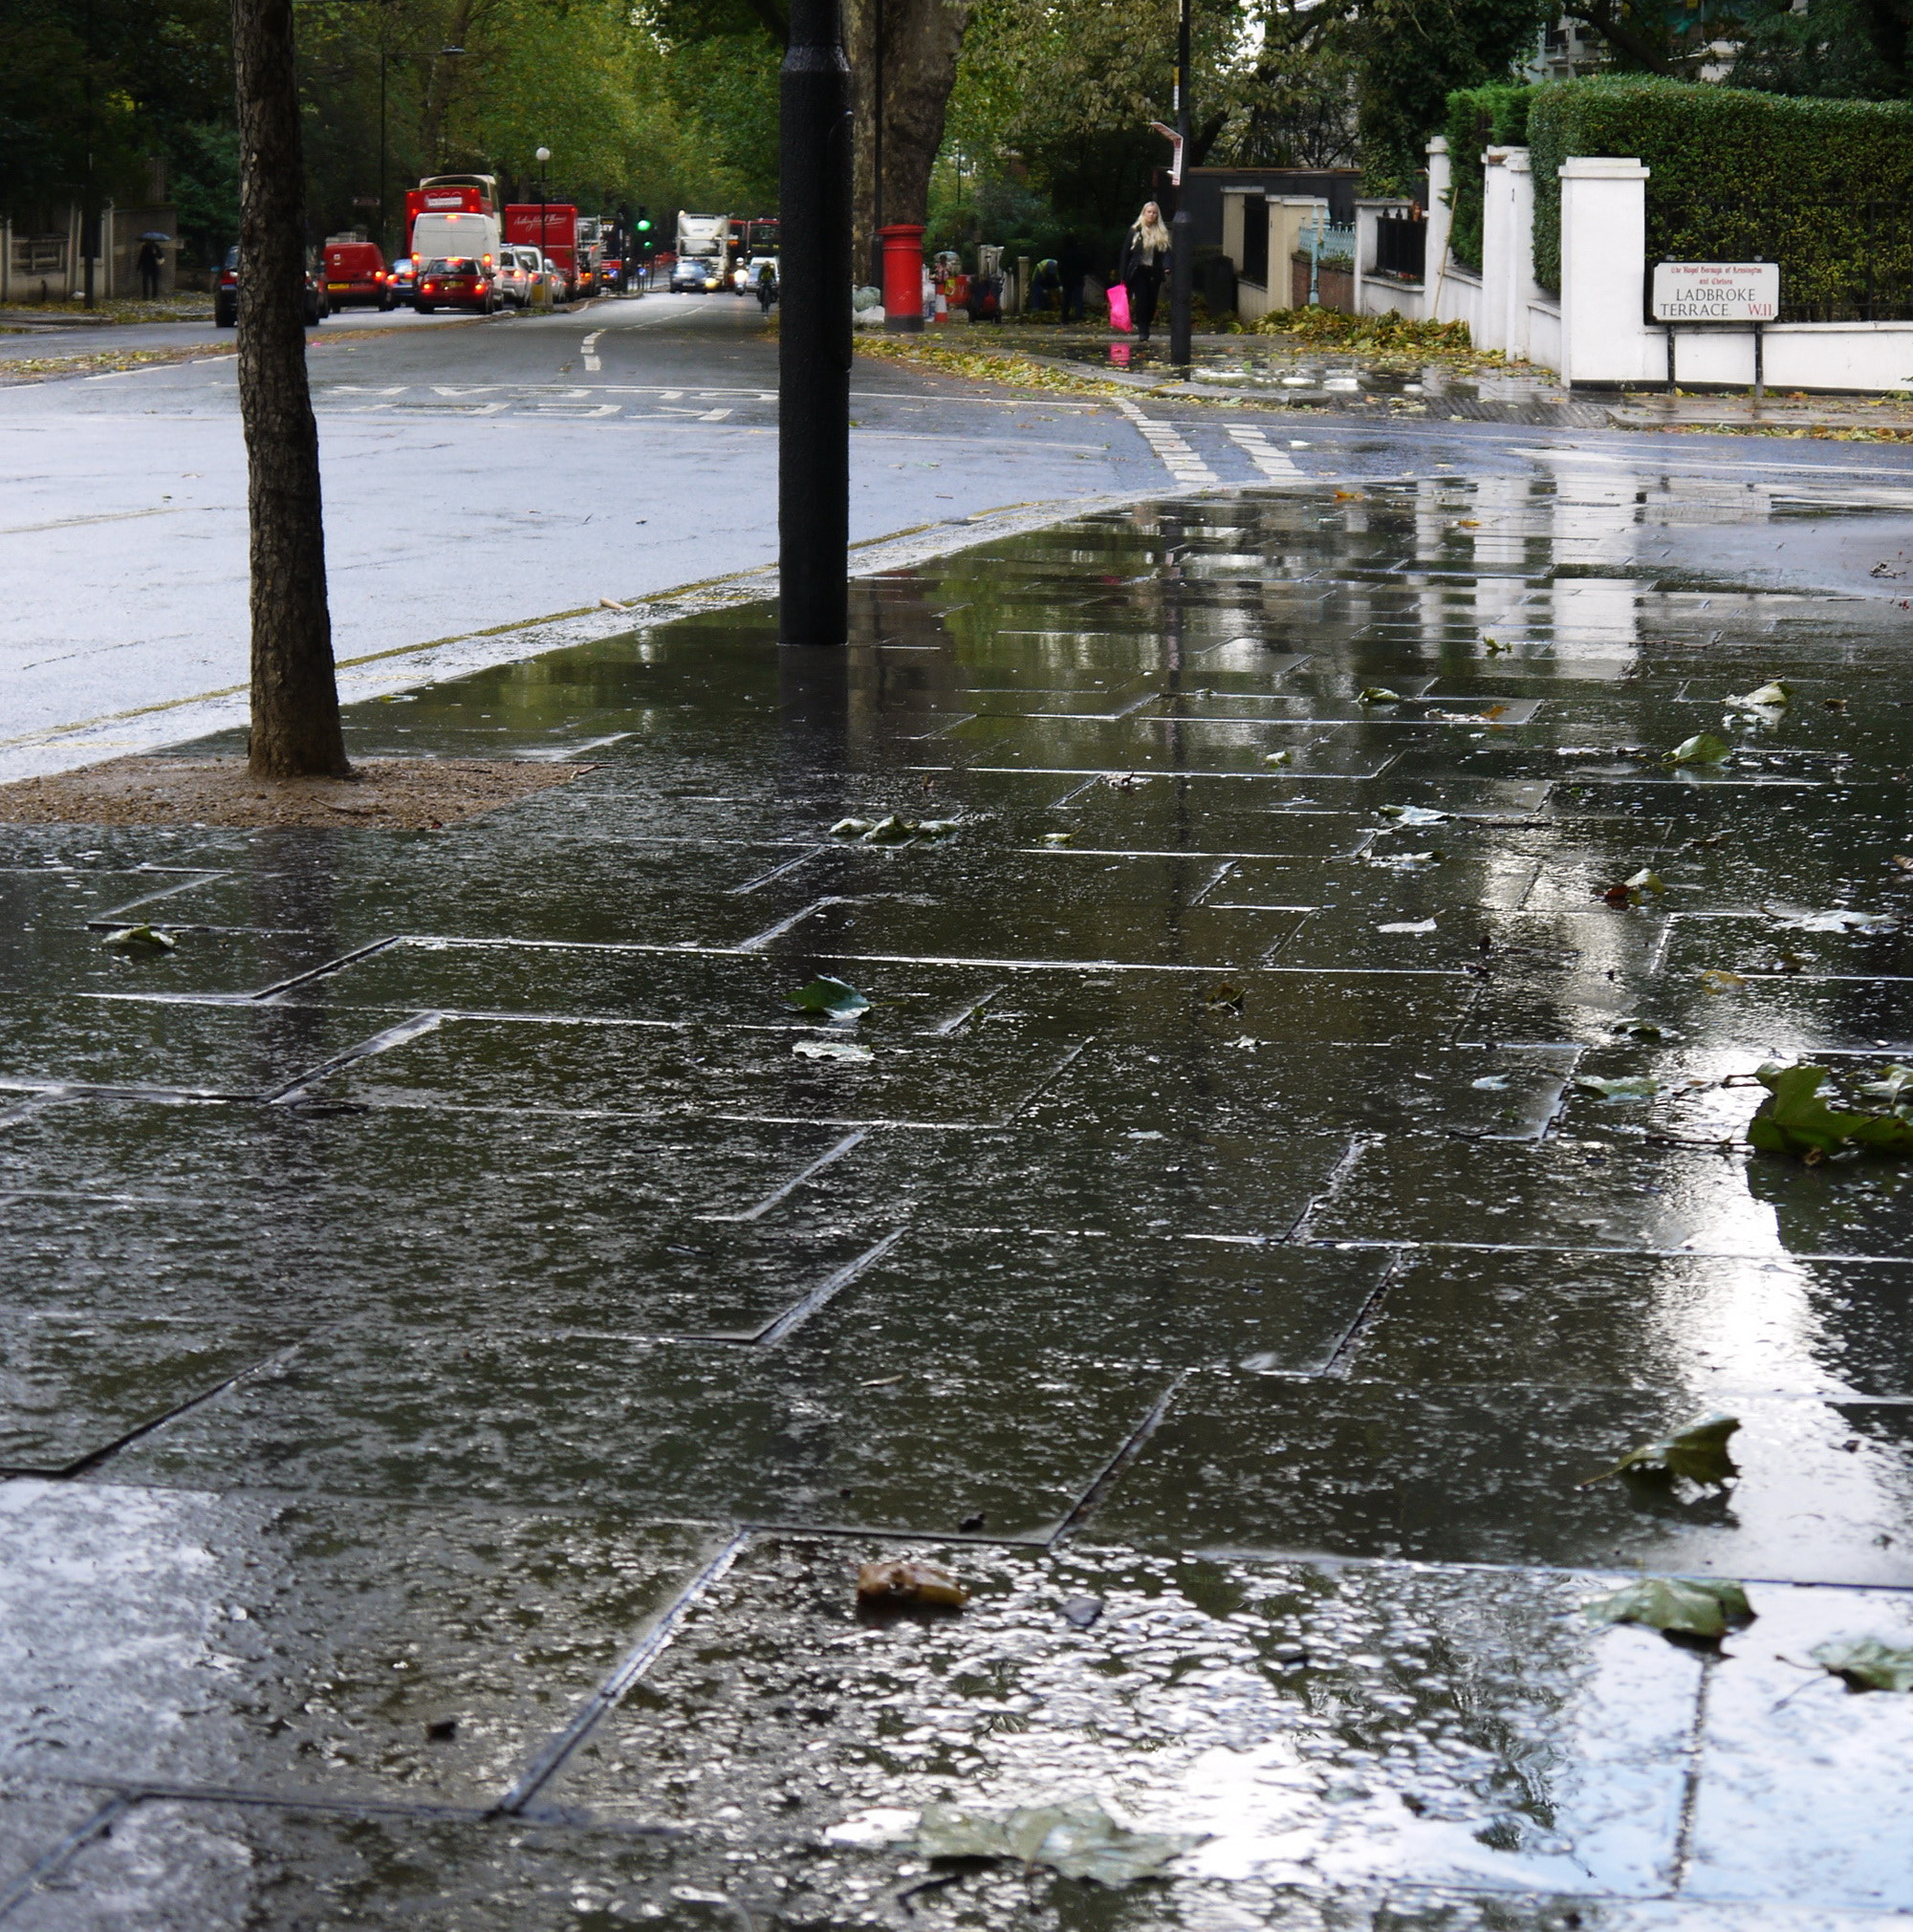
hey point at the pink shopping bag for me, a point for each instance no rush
(1118, 308)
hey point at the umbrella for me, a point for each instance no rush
(157, 235)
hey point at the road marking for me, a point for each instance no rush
(588, 345)
(1178, 458)
(1254, 444)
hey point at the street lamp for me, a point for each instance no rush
(543, 155)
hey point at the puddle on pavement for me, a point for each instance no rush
(1212, 1183)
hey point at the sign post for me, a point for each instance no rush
(1735, 295)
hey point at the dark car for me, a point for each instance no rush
(226, 293)
(456, 282)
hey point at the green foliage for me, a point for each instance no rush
(1411, 54)
(1795, 1119)
(1493, 116)
(1742, 176)
(1824, 47)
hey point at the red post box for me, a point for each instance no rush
(902, 276)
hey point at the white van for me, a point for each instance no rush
(471, 235)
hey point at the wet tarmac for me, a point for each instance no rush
(465, 1327)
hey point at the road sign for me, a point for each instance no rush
(1717, 291)
(365, 201)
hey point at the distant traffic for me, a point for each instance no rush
(466, 250)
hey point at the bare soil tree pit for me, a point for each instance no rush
(385, 794)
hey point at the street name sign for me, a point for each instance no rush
(1717, 291)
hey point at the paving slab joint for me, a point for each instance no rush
(56, 1857)
(626, 1672)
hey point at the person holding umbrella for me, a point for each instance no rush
(150, 261)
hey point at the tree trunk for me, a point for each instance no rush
(912, 73)
(440, 77)
(296, 727)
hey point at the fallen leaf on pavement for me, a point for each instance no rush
(1078, 1839)
(893, 830)
(1644, 1029)
(837, 997)
(140, 939)
(1632, 1087)
(1697, 1452)
(910, 1580)
(1772, 697)
(1795, 1119)
(1716, 980)
(1867, 1663)
(1278, 757)
(1702, 748)
(1682, 1606)
(1834, 704)
(1379, 694)
(1408, 926)
(1414, 815)
(821, 1047)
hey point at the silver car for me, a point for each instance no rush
(513, 276)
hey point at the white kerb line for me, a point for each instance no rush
(590, 343)
(1178, 458)
(1254, 444)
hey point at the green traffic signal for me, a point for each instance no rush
(643, 226)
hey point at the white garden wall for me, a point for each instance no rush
(1596, 335)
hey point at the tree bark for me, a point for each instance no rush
(296, 727)
(912, 75)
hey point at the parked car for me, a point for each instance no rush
(457, 282)
(513, 276)
(226, 293)
(355, 272)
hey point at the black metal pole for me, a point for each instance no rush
(814, 339)
(877, 142)
(1182, 269)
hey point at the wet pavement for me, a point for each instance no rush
(465, 1328)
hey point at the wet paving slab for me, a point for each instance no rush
(465, 1320)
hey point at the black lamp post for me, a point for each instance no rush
(1182, 269)
(542, 157)
(814, 338)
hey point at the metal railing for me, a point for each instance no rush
(1402, 243)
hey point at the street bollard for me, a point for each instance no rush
(814, 349)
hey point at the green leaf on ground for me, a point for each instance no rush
(1644, 881)
(1644, 1029)
(826, 1047)
(1697, 1452)
(1079, 1839)
(1278, 757)
(1773, 697)
(1683, 1606)
(1702, 748)
(1414, 815)
(1895, 1086)
(1866, 1663)
(1630, 1087)
(1060, 838)
(140, 939)
(1379, 694)
(894, 828)
(835, 997)
(1793, 1119)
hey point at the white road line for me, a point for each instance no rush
(1179, 458)
(1254, 444)
(590, 343)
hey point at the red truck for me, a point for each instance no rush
(552, 228)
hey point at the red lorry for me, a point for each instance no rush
(551, 227)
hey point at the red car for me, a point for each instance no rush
(355, 271)
(456, 282)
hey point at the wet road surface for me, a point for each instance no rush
(464, 1327)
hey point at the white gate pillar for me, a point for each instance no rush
(1605, 339)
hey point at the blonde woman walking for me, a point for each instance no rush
(1145, 255)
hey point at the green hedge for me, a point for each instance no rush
(1495, 115)
(1737, 176)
